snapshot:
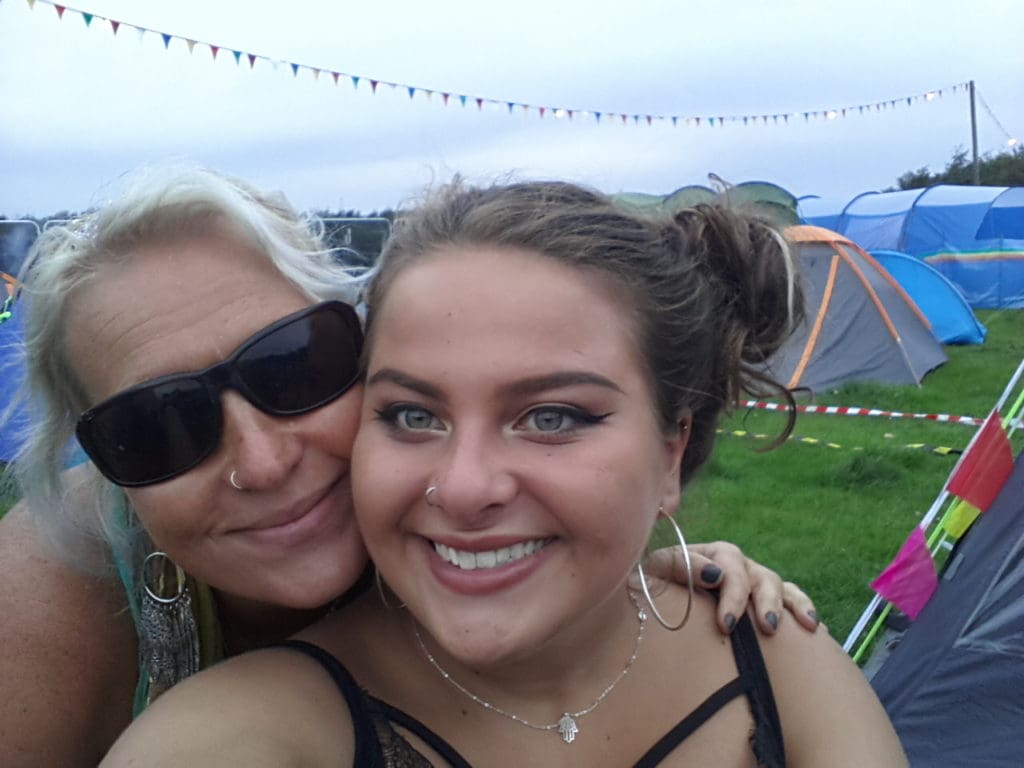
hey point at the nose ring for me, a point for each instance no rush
(234, 483)
(430, 490)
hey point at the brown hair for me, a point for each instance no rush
(714, 292)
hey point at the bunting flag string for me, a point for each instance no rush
(481, 102)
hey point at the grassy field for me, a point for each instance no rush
(831, 518)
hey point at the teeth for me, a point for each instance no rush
(471, 561)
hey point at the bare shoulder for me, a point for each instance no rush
(264, 708)
(829, 713)
(67, 671)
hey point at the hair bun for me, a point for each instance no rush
(754, 269)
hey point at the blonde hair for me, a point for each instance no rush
(156, 204)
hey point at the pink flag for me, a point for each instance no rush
(909, 581)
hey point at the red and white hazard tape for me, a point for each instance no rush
(843, 410)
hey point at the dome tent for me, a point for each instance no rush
(952, 320)
(860, 324)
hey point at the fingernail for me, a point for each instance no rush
(772, 619)
(730, 622)
(710, 574)
(813, 615)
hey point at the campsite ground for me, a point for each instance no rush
(830, 518)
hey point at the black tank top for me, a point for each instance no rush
(379, 745)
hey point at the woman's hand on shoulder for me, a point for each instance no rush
(263, 709)
(829, 713)
(68, 666)
(739, 581)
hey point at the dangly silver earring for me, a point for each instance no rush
(169, 636)
(689, 579)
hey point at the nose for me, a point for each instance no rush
(261, 449)
(476, 478)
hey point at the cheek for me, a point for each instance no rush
(173, 513)
(339, 422)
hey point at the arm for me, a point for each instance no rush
(740, 581)
(263, 709)
(829, 714)
(68, 661)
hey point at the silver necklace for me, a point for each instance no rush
(567, 726)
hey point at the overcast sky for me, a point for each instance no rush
(81, 105)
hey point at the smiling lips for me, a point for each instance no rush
(471, 561)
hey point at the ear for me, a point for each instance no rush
(675, 443)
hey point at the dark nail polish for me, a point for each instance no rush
(730, 622)
(813, 615)
(773, 619)
(710, 574)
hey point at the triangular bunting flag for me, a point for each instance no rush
(115, 25)
(87, 18)
(167, 39)
(60, 11)
(252, 60)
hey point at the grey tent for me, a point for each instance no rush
(953, 685)
(861, 325)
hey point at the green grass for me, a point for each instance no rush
(831, 518)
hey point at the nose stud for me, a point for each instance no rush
(234, 483)
(430, 490)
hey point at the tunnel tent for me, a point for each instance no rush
(972, 235)
(952, 320)
(860, 324)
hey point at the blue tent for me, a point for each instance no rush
(972, 235)
(11, 374)
(952, 320)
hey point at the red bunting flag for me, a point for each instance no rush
(60, 11)
(909, 581)
(985, 466)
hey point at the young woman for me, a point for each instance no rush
(543, 373)
(220, 496)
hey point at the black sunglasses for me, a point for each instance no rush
(162, 428)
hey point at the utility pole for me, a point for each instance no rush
(976, 168)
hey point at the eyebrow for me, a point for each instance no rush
(523, 387)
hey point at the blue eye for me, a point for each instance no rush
(409, 417)
(559, 420)
(551, 420)
(416, 418)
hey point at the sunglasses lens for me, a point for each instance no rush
(304, 364)
(153, 433)
(159, 430)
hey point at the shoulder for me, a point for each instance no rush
(272, 707)
(829, 713)
(68, 664)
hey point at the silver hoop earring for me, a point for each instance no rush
(169, 634)
(430, 490)
(234, 483)
(689, 579)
